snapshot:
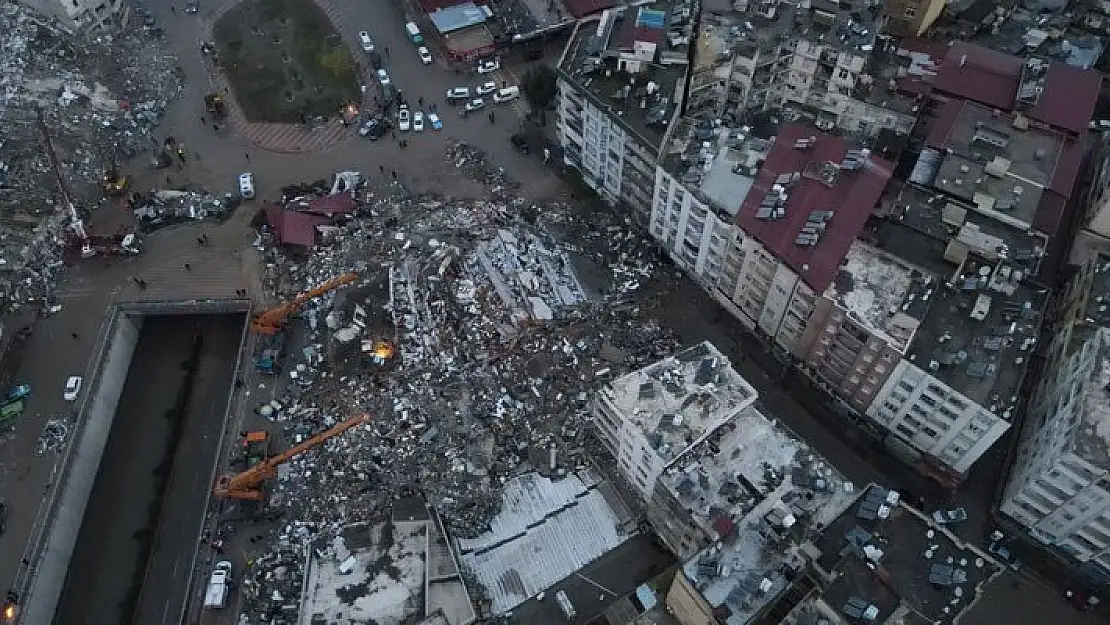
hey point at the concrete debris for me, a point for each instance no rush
(474, 341)
(170, 206)
(98, 100)
(54, 434)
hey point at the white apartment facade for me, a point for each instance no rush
(694, 235)
(935, 419)
(80, 15)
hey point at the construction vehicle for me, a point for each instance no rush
(113, 182)
(256, 448)
(273, 320)
(215, 105)
(248, 485)
(269, 359)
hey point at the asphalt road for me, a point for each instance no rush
(107, 554)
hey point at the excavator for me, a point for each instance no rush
(247, 486)
(273, 320)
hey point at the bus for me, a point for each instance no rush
(414, 34)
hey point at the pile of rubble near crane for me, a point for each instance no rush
(467, 337)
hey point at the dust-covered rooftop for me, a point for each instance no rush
(760, 489)
(1092, 440)
(632, 62)
(677, 401)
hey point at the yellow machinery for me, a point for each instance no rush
(248, 484)
(114, 183)
(271, 321)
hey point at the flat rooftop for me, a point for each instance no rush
(882, 292)
(983, 315)
(546, 530)
(368, 573)
(719, 164)
(849, 25)
(632, 62)
(811, 199)
(679, 400)
(742, 464)
(889, 560)
(784, 488)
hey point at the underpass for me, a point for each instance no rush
(119, 538)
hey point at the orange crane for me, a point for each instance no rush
(248, 484)
(271, 321)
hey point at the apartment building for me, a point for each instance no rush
(79, 15)
(621, 83)
(815, 60)
(650, 418)
(1059, 486)
(910, 18)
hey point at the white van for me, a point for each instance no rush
(215, 596)
(508, 94)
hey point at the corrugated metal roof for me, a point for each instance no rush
(293, 228)
(852, 197)
(545, 532)
(980, 74)
(329, 205)
(1069, 98)
(457, 17)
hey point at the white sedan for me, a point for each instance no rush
(425, 56)
(404, 122)
(366, 41)
(418, 121)
(73, 388)
(485, 88)
(488, 66)
(383, 77)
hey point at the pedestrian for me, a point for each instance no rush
(247, 155)
(205, 238)
(142, 285)
(75, 335)
(381, 168)
(420, 100)
(394, 172)
(387, 50)
(393, 134)
(188, 267)
(202, 122)
(200, 242)
(173, 9)
(216, 127)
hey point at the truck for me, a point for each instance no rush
(10, 410)
(269, 359)
(256, 448)
(414, 34)
(215, 595)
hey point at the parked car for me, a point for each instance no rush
(374, 128)
(404, 120)
(485, 88)
(1003, 553)
(435, 122)
(474, 105)
(418, 121)
(455, 94)
(425, 55)
(366, 41)
(520, 142)
(246, 185)
(73, 388)
(488, 66)
(383, 77)
(508, 94)
(952, 515)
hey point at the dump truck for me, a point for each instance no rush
(113, 182)
(269, 359)
(256, 448)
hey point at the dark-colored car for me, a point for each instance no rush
(520, 142)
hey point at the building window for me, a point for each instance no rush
(911, 12)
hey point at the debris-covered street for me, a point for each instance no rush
(472, 342)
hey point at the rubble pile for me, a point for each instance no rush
(170, 206)
(499, 349)
(98, 100)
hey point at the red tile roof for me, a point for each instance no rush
(1069, 98)
(582, 8)
(980, 74)
(853, 197)
(293, 228)
(330, 205)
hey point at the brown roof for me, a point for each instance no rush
(292, 227)
(582, 8)
(980, 74)
(330, 205)
(1069, 98)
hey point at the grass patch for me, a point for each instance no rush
(285, 61)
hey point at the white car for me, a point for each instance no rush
(458, 93)
(435, 121)
(383, 77)
(73, 388)
(425, 56)
(488, 66)
(403, 120)
(246, 185)
(485, 88)
(508, 94)
(418, 121)
(474, 105)
(366, 41)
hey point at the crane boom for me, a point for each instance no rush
(248, 484)
(271, 320)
